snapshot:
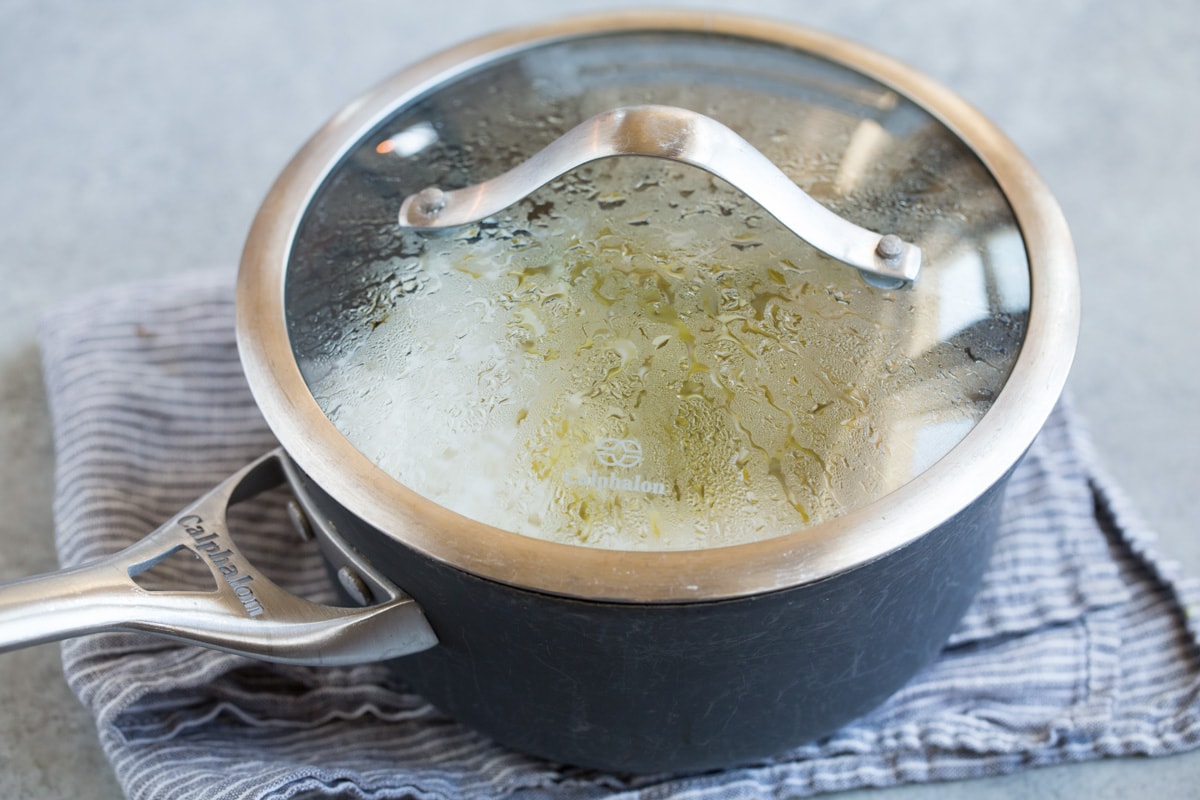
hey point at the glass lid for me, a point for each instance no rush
(637, 354)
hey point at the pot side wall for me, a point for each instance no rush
(680, 687)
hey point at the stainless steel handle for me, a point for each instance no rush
(691, 138)
(246, 614)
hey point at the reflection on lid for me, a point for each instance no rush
(866, 143)
(409, 141)
(961, 295)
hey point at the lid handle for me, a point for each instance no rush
(691, 138)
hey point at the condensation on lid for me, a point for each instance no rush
(636, 356)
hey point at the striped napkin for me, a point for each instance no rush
(1081, 644)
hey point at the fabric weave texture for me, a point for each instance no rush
(1082, 643)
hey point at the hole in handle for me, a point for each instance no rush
(177, 569)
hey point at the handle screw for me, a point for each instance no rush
(354, 585)
(890, 247)
(300, 521)
(430, 201)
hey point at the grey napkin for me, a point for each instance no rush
(1081, 644)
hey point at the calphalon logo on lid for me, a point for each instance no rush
(620, 453)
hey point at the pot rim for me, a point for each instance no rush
(981, 459)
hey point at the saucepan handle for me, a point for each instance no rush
(676, 134)
(246, 613)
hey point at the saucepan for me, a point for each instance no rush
(650, 383)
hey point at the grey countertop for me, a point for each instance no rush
(137, 138)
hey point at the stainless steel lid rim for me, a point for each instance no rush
(981, 459)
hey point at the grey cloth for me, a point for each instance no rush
(1082, 644)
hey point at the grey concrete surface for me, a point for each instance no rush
(137, 138)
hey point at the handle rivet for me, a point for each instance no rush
(890, 247)
(354, 585)
(300, 521)
(430, 201)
